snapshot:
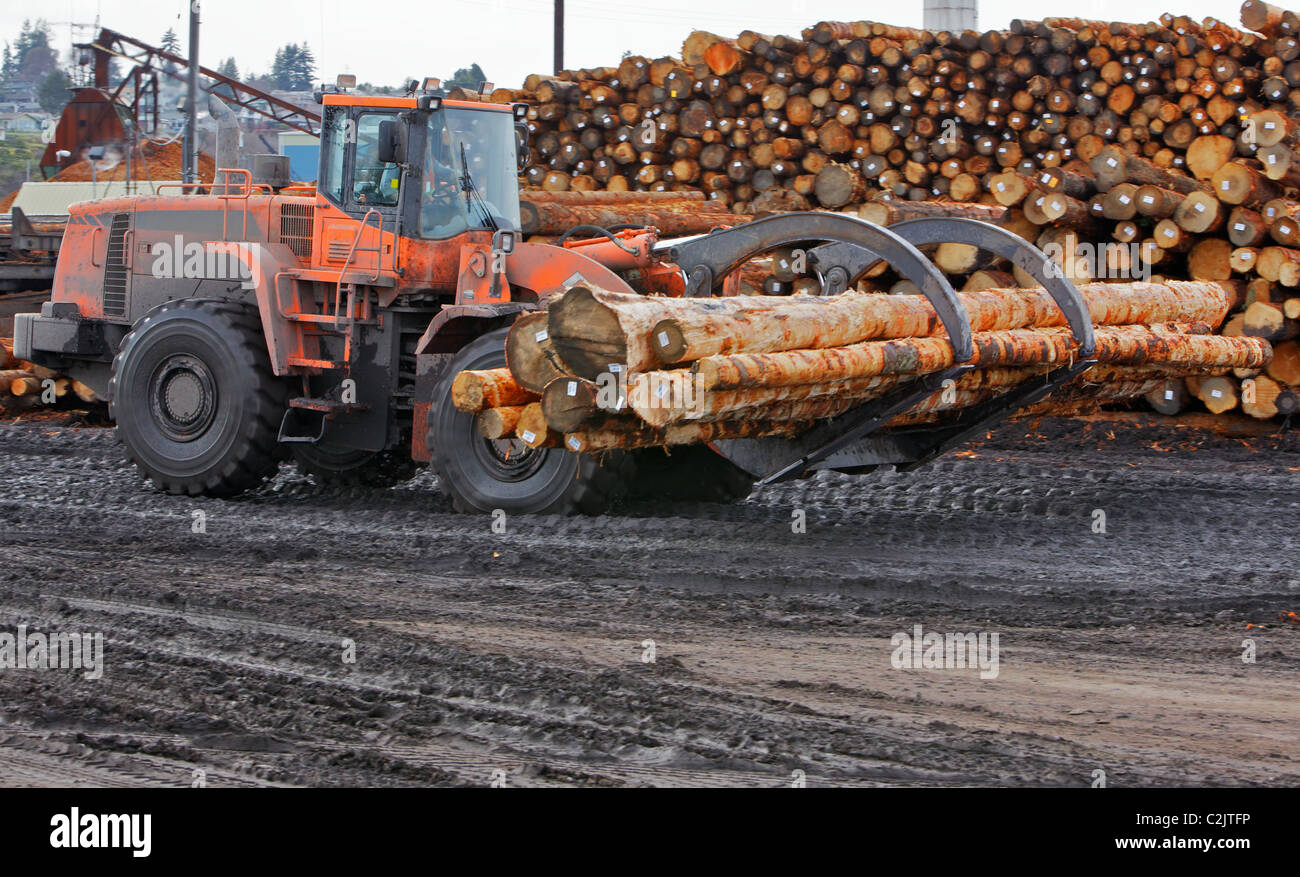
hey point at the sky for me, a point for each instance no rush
(509, 39)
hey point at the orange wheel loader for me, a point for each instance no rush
(236, 323)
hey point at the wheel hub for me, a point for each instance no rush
(183, 397)
(509, 459)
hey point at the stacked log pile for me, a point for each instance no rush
(25, 385)
(1173, 142)
(601, 370)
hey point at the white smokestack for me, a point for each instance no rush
(951, 15)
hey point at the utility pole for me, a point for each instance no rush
(190, 165)
(559, 35)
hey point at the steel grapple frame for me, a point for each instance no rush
(846, 248)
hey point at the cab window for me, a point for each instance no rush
(374, 182)
(334, 145)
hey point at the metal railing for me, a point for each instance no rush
(243, 190)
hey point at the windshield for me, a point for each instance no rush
(470, 173)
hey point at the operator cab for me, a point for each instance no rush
(437, 168)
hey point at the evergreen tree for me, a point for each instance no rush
(294, 68)
(52, 94)
(229, 68)
(304, 71)
(470, 77)
(33, 59)
(170, 42)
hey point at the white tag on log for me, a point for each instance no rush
(615, 367)
(575, 443)
(573, 388)
(1147, 199)
(1216, 393)
(528, 435)
(1239, 226)
(1123, 199)
(1112, 162)
(1169, 395)
(540, 336)
(1268, 126)
(1227, 184)
(663, 339)
(1199, 207)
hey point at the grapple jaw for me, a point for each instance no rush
(853, 441)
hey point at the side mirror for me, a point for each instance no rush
(392, 142)
(521, 145)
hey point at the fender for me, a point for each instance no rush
(265, 263)
(456, 325)
(548, 270)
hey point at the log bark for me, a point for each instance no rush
(472, 391)
(532, 429)
(1184, 344)
(498, 423)
(1170, 398)
(571, 404)
(687, 331)
(530, 356)
(670, 217)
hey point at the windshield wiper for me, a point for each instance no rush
(467, 186)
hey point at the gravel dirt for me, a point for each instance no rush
(481, 657)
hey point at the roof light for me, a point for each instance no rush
(431, 83)
(346, 80)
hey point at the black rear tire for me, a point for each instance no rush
(196, 404)
(483, 475)
(350, 467)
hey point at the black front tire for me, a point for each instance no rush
(195, 401)
(483, 475)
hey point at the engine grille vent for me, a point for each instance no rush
(295, 228)
(115, 267)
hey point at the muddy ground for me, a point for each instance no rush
(517, 658)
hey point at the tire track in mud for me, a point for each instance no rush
(478, 652)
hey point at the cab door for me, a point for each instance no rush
(356, 182)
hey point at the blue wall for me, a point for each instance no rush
(304, 162)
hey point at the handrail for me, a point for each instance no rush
(247, 190)
(356, 239)
(275, 296)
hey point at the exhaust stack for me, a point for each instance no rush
(954, 16)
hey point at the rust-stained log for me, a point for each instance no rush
(889, 212)
(849, 318)
(671, 218)
(1122, 345)
(592, 328)
(650, 200)
(664, 397)
(1111, 382)
(472, 391)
